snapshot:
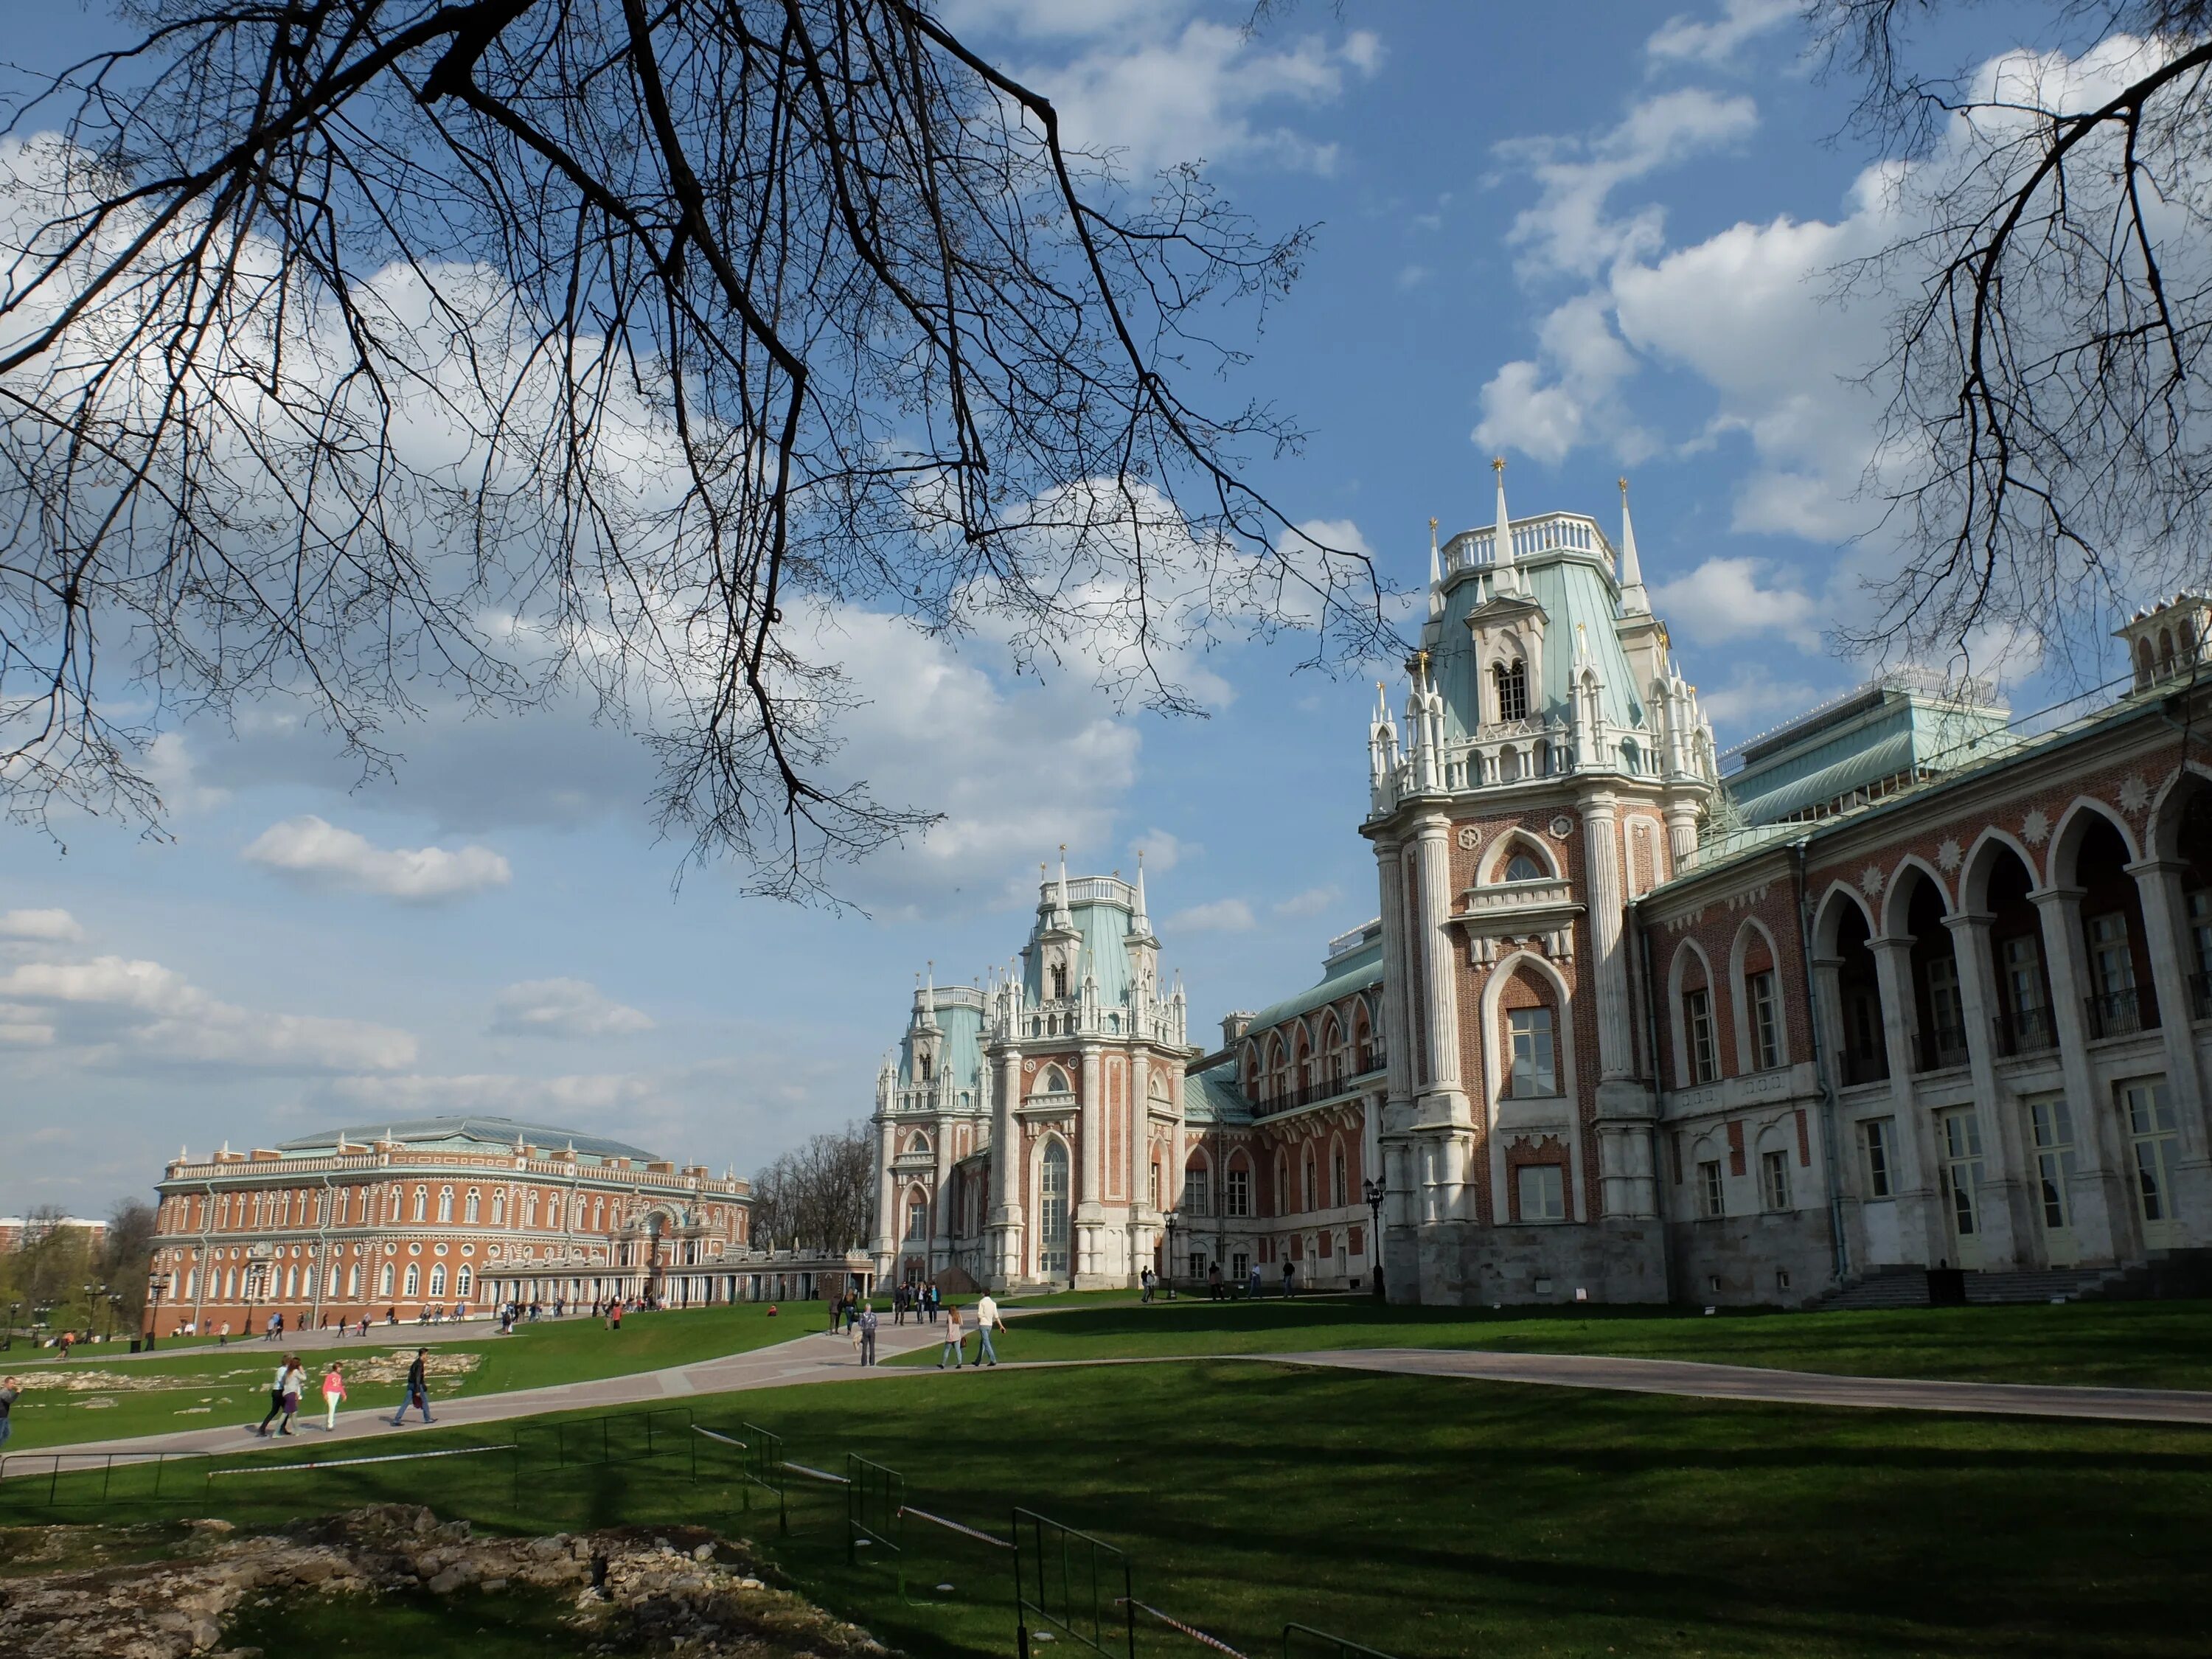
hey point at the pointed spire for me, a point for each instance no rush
(1505, 578)
(1436, 574)
(1140, 925)
(1062, 918)
(1634, 601)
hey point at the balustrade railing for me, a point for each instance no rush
(2031, 1030)
(1862, 1066)
(2117, 1013)
(1290, 1100)
(1941, 1048)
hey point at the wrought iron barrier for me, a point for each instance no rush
(875, 1508)
(610, 1438)
(14, 1464)
(1073, 1582)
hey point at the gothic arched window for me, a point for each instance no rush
(1521, 868)
(1511, 680)
(1060, 979)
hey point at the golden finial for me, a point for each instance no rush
(1623, 486)
(1498, 463)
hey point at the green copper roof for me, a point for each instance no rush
(467, 1134)
(1211, 1097)
(1574, 589)
(1354, 973)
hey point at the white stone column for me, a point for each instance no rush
(2159, 885)
(940, 1205)
(1922, 1227)
(1442, 1112)
(2007, 1189)
(1090, 1205)
(1438, 971)
(887, 1216)
(1681, 812)
(1005, 1252)
(2104, 1214)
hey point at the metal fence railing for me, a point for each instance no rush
(24, 1468)
(634, 1437)
(875, 1513)
(1069, 1585)
(1072, 1583)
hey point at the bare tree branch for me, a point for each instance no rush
(375, 352)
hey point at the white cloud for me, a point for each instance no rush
(1310, 903)
(565, 1008)
(1159, 87)
(47, 926)
(312, 849)
(127, 1009)
(1412, 276)
(1683, 38)
(1570, 228)
(1163, 851)
(1753, 703)
(1229, 915)
(1723, 599)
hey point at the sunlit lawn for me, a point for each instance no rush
(2117, 1344)
(231, 1384)
(1424, 1516)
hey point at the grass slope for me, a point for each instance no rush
(1427, 1518)
(2166, 1345)
(232, 1385)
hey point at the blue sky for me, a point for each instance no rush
(1588, 238)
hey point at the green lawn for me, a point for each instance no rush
(231, 1384)
(2114, 1343)
(1425, 1516)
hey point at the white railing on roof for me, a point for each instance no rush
(1547, 532)
(1351, 939)
(1095, 889)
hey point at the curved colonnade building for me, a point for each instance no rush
(469, 1209)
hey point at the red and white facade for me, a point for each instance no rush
(435, 1214)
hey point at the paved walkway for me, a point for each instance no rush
(816, 1357)
(1708, 1381)
(819, 1358)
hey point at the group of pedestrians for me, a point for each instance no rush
(986, 1320)
(922, 1301)
(289, 1385)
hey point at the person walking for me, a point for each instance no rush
(418, 1388)
(953, 1338)
(1290, 1279)
(865, 1324)
(295, 1380)
(276, 1396)
(986, 1320)
(1252, 1292)
(1144, 1279)
(1214, 1288)
(11, 1390)
(334, 1390)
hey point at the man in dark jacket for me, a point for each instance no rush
(418, 1388)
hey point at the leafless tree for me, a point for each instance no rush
(819, 1196)
(2046, 457)
(366, 351)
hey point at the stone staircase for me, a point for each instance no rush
(1908, 1287)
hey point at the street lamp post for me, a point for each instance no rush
(1167, 1254)
(154, 1286)
(9, 1339)
(1374, 1191)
